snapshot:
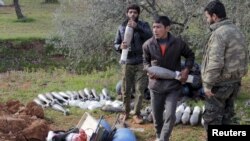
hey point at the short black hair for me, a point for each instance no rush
(163, 20)
(217, 8)
(135, 7)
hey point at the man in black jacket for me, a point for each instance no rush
(132, 70)
(165, 50)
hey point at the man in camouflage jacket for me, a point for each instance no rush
(225, 62)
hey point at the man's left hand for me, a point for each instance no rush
(209, 93)
(184, 75)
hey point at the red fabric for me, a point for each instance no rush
(82, 136)
(163, 49)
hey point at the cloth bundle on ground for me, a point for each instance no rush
(194, 89)
(102, 131)
(71, 135)
(80, 135)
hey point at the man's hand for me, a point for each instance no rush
(184, 75)
(124, 45)
(132, 23)
(209, 93)
(151, 75)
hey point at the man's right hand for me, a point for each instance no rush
(124, 45)
(132, 23)
(151, 75)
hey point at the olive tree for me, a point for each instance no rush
(85, 29)
(51, 1)
(18, 10)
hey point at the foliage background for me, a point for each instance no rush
(86, 28)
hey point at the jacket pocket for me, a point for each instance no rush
(222, 92)
(154, 63)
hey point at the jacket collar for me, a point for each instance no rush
(216, 25)
(170, 39)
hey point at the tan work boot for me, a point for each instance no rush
(124, 117)
(132, 112)
(119, 97)
(137, 119)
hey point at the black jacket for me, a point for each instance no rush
(142, 32)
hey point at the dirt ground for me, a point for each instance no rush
(22, 122)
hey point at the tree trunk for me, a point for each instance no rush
(18, 9)
(51, 1)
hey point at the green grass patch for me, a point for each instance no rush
(26, 85)
(38, 22)
(25, 20)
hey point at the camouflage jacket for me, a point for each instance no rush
(225, 58)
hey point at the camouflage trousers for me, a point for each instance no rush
(219, 109)
(133, 76)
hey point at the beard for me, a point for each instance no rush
(136, 19)
(211, 22)
(133, 18)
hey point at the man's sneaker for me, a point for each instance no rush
(137, 119)
(157, 139)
